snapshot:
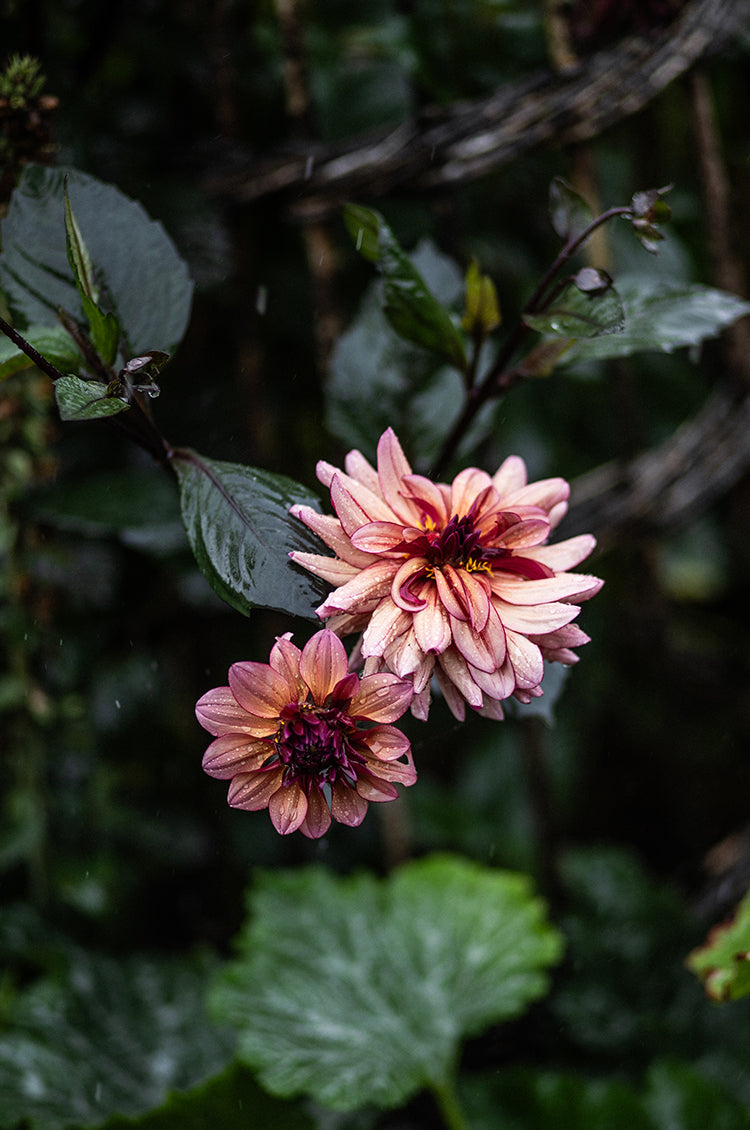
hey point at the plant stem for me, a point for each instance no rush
(447, 1100)
(499, 377)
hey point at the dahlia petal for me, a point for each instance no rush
(260, 689)
(368, 586)
(486, 649)
(387, 623)
(563, 586)
(330, 531)
(510, 476)
(465, 489)
(347, 806)
(429, 499)
(346, 624)
(535, 618)
(318, 818)
(372, 787)
(497, 684)
(379, 537)
(234, 753)
(456, 669)
(405, 656)
(546, 493)
(451, 592)
(288, 808)
(330, 569)
(381, 698)
(252, 791)
(564, 554)
(219, 712)
(356, 505)
(402, 593)
(359, 468)
(527, 531)
(431, 625)
(455, 701)
(420, 704)
(557, 513)
(526, 659)
(325, 472)
(323, 664)
(476, 588)
(284, 659)
(491, 709)
(392, 466)
(568, 636)
(386, 743)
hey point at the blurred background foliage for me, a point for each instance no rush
(632, 809)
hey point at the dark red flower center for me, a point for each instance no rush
(314, 745)
(460, 544)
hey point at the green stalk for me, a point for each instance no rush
(447, 1100)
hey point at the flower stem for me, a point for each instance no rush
(447, 1100)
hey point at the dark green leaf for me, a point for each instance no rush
(359, 991)
(85, 400)
(581, 313)
(662, 316)
(78, 256)
(141, 279)
(109, 1038)
(104, 328)
(51, 341)
(534, 1100)
(232, 1099)
(241, 532)
(680, 1098)
(411, 308)
(569, 212)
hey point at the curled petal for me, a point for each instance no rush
(318, 818)
(392, 467)
(510, 476)
(259, 689)
(371, 584)
(563, 554)
(380, 537)
(347, 806)
(466, 488)
(284, 659)
(381, 698)
(546, 493)
(234, 753)
(386, 743)
(405, 587)
(288, 808)
(428, 498)
(330, 531)
(498, 684)
(526, 659)
(431, 625)
(323, 664)
(253, 791)
(219, 712)
(456, 669)
(387, 623)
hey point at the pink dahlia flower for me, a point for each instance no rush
(457, 580)
(304, 738)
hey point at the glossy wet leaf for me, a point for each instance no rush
(662, 316)
(723, 962)
(410, 307)
(52, 342)
(581, 313)
(361, 990)
(241, 532)
(85, 400)
(108, 1037)
(139, 276)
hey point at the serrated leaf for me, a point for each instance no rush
(723, 962)
(85, 400)
(359, 991)
(241, 532)
(660, 316)
(577, 313)
(410, 307)
(51, 341)
(109, 1038)
(569, 212)
(142, 280)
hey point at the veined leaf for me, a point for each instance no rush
(569, 212)
(141, 279)
(109, 1038)
(51, 341)
(241, 532)
(578, 312)
(359, 991)
(411, 308)
(85, 400)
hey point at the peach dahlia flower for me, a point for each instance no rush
(304, 738)
(453, 580)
